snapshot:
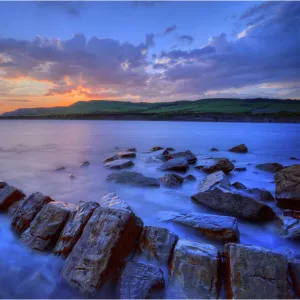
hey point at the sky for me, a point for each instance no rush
(57, 53)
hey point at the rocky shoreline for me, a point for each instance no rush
(101, 241)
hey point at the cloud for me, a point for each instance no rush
(18, 100)
(186, 39)
(170, 29)
(71, 8)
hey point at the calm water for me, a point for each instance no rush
(31, 150)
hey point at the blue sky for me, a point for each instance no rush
(54, 53)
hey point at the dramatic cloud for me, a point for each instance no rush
(170, 29)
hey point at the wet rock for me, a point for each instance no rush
(171, 180)
(46, 227)
(292, 213)
(239, 186)
(254, 272)
(190, 178)
(113, 200)
(13, 208)
(119, 164)
(131, 150)
(126, 154)
(294, 158)
(170, 149)
(288, 187)
(240, 169)
(139, 280)
(108, 238)
(219, 227)
(156, 148)
(163, 155)
(235, 204)
(109, 159)
(260, 194)
(27, 210)
(195, 271)
(71, 176)
(157, 243)
(9, 195)
(84, 164)
(133, 178)
(60, 169)
(217, 179)
(191, 158)
(74, 227)
(213, 150)
(290, 227)
(239, 149)
(217, 164)
(2, 184)
(175, 164)
(294, 268)
(270, 167)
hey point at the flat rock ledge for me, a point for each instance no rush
(254, 272)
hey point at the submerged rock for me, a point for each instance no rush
(191, 157)
(119, 164)
(60, 169)
(294, 158)
(84, 164)
(235, 204)
(108, 238)
(74, 228)
(113, 200)
(213, 150)
(171, 180)
(288, 187)
(46, 227)
(239, 186)
(220, 227)
(9, 195)
(131, 150)
(71, 176)
(217, 179)
(294, 268)
(27, 210)
(239, 149)
(157, 243)
(254, 272)
(240, 169)
(170, 149)
(195, 271)
(133, 178)
(156, 148)
(139, 280)
(175, 164)
(217, 164)
(270, 167)
(190, 178)
(125, 154)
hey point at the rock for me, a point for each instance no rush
(139, 280)
(2, 184)
(290, 227)
(191, 158)
(239, 186)
(240, 169)
(60, 169)
(27, 210)
(294, 158)
(71, 176)
(239, 149)
(217, 164)
(190, 178)
(171, 180)
(235, 204)
(113, 200)
(156, 148)
(219, 227)
(109, 159)
(13, 208)
(170, 149)
(131, 150)
(84, 164)
(157, 243)
(213, 150)
(9, 195)
(217, 179)
(254, 272)
(292, 213)
(119, 164)
(294, 268)
(74, 227)
(163, 155)
(288, 187)
(125, 154)
(108, 238)
(270, 167)
(175, 164)
(260, 194)
(195, 271)
(46, 227)
(133, 178)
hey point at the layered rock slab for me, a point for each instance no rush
(9, 195)
(216, 179)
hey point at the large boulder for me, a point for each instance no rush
(108, 238)
(288, 187)
(27, 210)
(191, 157)
(254, 272)
(235, 204)
(119, 164)
(157, 243)
(74, 228)
(133, 178)
(219, 227)
(9, 195)
(171, 180)
(125, 154)
(270, 167)
(195, 271)
(113, 200)
(175, 164)
(294, 267)
(216, 179)
(217, 164)
(139, 281)
(46, 227)
(239, 149)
